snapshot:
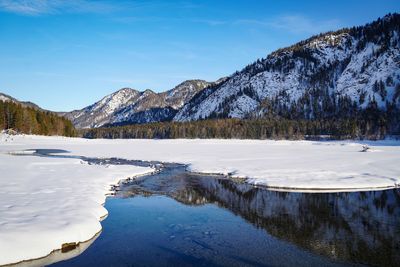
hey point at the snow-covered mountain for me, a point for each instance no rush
(334, 74)
(128, 106)
(359, 67)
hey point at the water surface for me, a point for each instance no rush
(176, 218)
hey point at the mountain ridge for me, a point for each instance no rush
(336, 74)
(128, 105)
(361, 64)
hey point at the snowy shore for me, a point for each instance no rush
(46, 202)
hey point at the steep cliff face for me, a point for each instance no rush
(360, 66)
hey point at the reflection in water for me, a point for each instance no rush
(358, 227)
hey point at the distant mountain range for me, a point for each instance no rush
(128, 106)
(326, 76)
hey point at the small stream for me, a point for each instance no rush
(178, 218)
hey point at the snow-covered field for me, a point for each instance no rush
(45, 202)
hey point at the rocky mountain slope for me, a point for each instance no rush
(319, 77)
(128, 106)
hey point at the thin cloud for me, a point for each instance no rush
(40, 7)
(295, 24)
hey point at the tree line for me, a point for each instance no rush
(29, 120)
(375, 127)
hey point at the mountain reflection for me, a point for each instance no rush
(358, 227)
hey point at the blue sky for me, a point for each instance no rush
(67, 54)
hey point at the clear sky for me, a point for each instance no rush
(67, 54)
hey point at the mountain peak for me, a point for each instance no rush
(148, 92)
(125, 90)
(184, 91)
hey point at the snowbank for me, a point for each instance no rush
(58, 200)
(46, 202)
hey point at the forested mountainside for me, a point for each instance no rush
(28, 119)
(345, 84)
(129, 106)
(331, 75)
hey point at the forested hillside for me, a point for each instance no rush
(30, 120)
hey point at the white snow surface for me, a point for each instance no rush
(45, 202)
